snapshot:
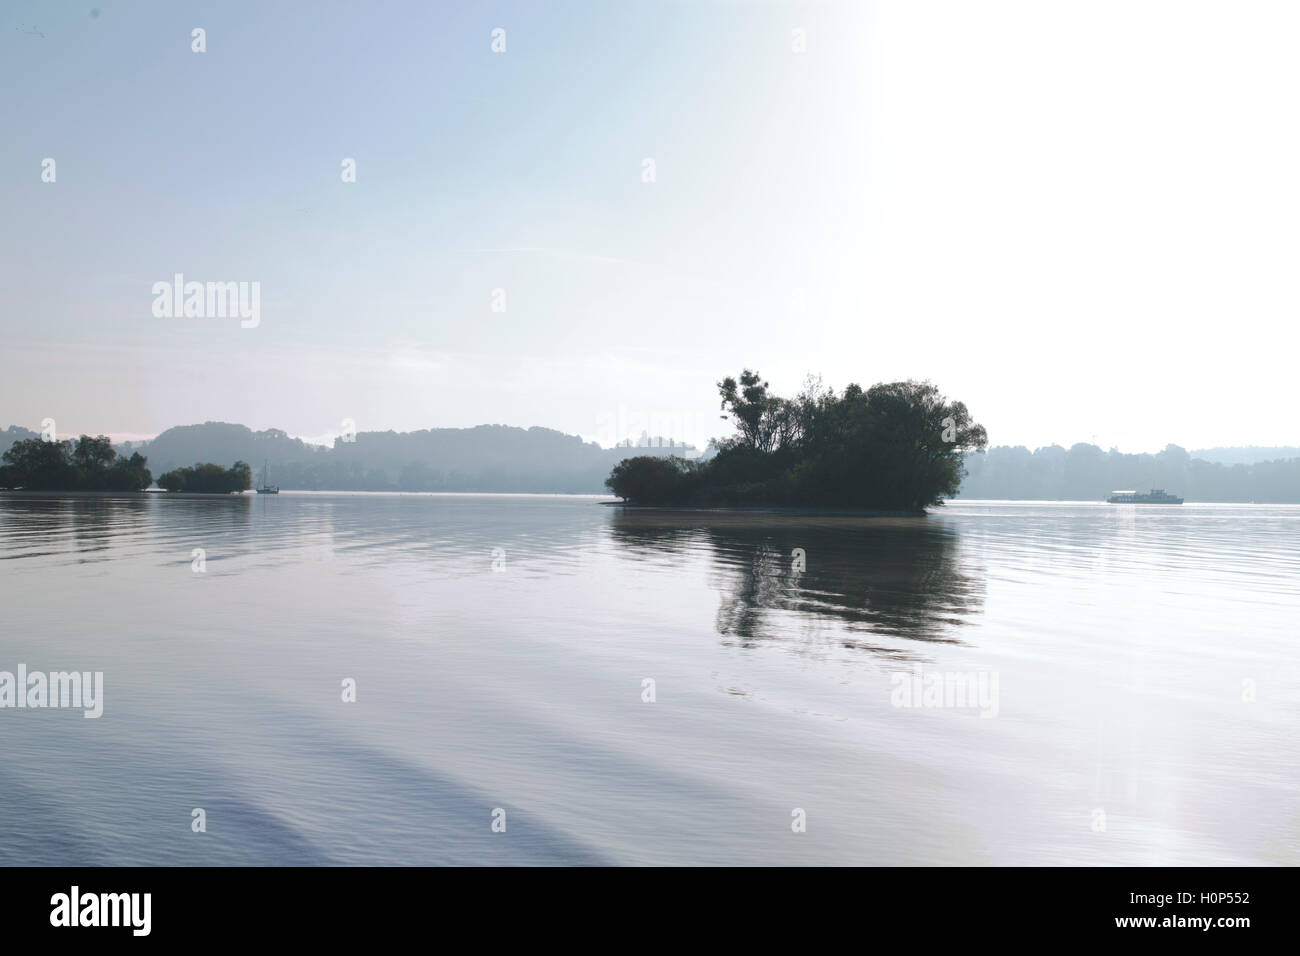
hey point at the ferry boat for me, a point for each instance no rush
(1157, 496)
(264, 488)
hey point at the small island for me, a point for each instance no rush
(88, 464)
(208, 479)
(92, 466)
(896, 447)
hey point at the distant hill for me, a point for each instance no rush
(485, 458)
(223, 444)
(1246, 456)
(1086, 473)
(15, 433)
(502, 458)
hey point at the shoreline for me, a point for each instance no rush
(771, 509)
(128, 495)
(727, 509)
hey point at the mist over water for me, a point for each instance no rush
(1147, 684)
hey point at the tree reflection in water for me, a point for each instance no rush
(867, 581)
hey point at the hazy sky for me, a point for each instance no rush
(1080, 218)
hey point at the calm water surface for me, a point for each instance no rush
(1145, 659)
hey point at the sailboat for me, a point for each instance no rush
(266, 489)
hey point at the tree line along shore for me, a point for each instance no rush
(859, 449)
(91, 464)
(896, 447)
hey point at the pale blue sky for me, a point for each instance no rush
(979, 193)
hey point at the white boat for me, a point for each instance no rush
(1158, 496)
(266, 489)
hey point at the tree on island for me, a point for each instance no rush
(88, 464)
(210, 479)
(653, 480)
(896, 447)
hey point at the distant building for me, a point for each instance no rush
(659, 445)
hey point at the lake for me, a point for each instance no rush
(549, 680)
